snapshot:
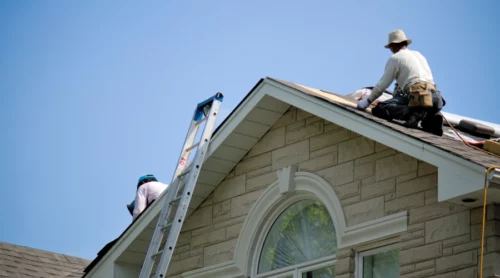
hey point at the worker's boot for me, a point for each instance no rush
(433, 124)
(412, 121)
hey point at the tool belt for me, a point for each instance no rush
(420, 94)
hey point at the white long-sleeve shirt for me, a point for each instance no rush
(146, 194)
(407, 67)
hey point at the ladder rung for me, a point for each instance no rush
(167, 226)
(176, 199)
(192, 147)
(201, 121)
(184, 173)
(156, 254)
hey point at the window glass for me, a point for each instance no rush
(381, 265)
(327, 272)
(303, 232)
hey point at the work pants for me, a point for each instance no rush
(397, 108)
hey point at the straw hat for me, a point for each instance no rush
(397, 36)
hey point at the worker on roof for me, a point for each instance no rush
(416, 98)
(148, 189)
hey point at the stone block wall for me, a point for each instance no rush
(443, 240)
(370, 179)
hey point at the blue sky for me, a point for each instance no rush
(98, 93)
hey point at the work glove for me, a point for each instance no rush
(362, 104)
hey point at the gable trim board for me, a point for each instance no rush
(456, 175)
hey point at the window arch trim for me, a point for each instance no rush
(276, 211)
(308, 184)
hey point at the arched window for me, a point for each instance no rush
(301, 236)
(296, 226)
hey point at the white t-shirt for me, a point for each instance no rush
(146, 194)
(407, 67)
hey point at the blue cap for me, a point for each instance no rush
(143, 178)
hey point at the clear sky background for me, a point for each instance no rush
(95, 94)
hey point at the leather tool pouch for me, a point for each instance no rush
(420, 95)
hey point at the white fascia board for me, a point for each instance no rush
(494, 176)
(457, 176)
(236, 118)
(456, 181)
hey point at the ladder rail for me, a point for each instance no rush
(167, 207)
(173, 199)
(187, 194)
(155, 243)
(183, 159)
(164, 214)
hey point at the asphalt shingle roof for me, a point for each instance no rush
(452, 146)
(20, 261)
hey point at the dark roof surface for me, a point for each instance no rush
(20, 261)
(452, 146)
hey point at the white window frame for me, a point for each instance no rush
(296, 270)
(293, 270)
(358, 273)
(314, 267)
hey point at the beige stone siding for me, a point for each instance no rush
(371, 181)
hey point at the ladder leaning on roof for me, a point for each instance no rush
(178, 197)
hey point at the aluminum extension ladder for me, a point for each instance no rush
(178, 196)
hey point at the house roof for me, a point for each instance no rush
(249, 121)
(20, 261)
(452, 146)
